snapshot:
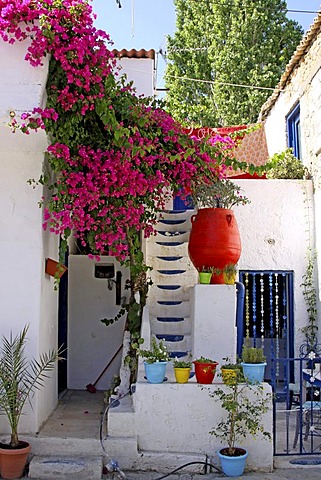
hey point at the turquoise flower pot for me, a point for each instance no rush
(155, 372)
(253, 372)
(233, 466)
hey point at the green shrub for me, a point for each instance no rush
(285, 165)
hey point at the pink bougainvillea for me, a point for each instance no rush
(117, 157)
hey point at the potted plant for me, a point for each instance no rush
(214, 238)
(225, 275)
(182, 370)
(19, 378)
(205, 274)
(205, 369)
(156, 359)
(230, 371)
(244, 406)
(253, 363)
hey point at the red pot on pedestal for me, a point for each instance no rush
(214, 240)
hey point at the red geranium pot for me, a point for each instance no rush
(214, 240)
(205, 372)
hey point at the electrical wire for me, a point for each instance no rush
(113, 464)
(187, 465)
(233, 4)
(229, 84)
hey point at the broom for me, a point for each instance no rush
(91, 386)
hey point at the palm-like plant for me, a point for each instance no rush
(20, 377)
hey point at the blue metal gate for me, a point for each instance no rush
(297, 409)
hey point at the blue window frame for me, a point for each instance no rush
(294, 131)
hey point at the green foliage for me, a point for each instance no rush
(181, 364)
(20, 377)
(252, 354)
(204, 360)
(231, 365)
(310, 297)
(205, 269)
(244, 405)
(221, 194)
(285, 165)
(222, 43)
(157, 352)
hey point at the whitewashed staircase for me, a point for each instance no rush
(173, 275)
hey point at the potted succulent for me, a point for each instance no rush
(244, 406)
(19, 378)
(214, 238)
(231, 371)
(182, 370)
(225, 275)
(205, 274)
(156, 359)
(253, 363)
(205, 369)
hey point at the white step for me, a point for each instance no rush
(62, 467)
(171, 328)
(182, 309)
(182, 293)
(157, 249)
(171, 262)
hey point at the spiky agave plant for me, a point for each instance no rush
(20, 377)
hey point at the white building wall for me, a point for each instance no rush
(277, 229)
(303, 86)
(140, 71)
(27, 294)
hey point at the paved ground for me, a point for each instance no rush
(312, 473)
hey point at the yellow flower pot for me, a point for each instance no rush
(229, 376)
(182, 374)
(229, 278)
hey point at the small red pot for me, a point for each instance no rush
(205, 372)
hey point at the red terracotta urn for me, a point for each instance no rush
(214, 240)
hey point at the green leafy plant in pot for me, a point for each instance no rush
(19, 378)
(253, 363)
(244, 405)
(231, 371)
(205, 369)
(156, 359)
(182, 370)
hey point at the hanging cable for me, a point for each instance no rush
(229, 84)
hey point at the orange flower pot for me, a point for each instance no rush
(55, 269)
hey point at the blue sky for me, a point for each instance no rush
(145, 23)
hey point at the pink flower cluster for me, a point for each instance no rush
(104, 191)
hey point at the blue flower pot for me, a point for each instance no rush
(253, 372)
(155, 372)
(233, 466)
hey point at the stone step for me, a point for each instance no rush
(165, 247)
(174, 277)
(62, 467)
(177, 214)
(174, 262)
(182, 327)
(176, 309)
(175, 342)
(166, 236)
(169, 292)
(122, 418)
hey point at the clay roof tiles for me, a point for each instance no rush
(133, 53)
(294, 62)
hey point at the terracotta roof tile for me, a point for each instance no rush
(133, 53)
(297, 56)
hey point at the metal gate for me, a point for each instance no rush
(297, 408)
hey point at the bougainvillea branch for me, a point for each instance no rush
(116, 157)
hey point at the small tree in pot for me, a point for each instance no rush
(19, 378)
(244, 405)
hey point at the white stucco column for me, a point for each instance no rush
(214, 315)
